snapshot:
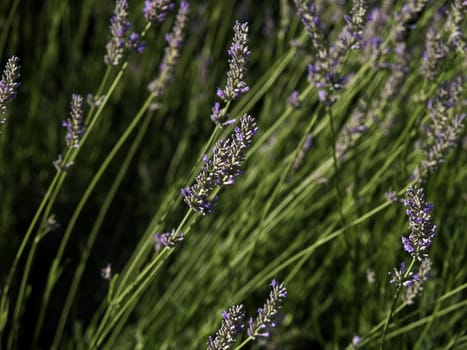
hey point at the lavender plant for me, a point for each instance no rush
(421, 233)
(92, 254)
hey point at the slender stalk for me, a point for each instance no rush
(93, 235)
(44, 212)
(54, 270)
(288, 167)
(393, 306)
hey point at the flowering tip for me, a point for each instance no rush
(9, 84)
(155, 11)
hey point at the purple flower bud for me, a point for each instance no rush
(238, 52)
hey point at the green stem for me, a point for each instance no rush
(243, 343)
(393, 305)
(70, 156)
(286, 172)
(53, 276)
(93, 235)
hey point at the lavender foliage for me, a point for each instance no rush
(268, 315)
(222, 168)
(232, 324)
(9, 84)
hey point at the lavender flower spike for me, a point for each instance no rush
(422, 231)
(74, 124)
(156, 10)
(119, 26)
(231, 326)
(421, 227)
(120, 37)
(268, 314)
(8, 84)
(238, 52)
(172, 51)
(308, 14)
(444, 131)
(222, 168)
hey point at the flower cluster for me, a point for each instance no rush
(453, 26)
(372, 39)
(8, 84)
(232, 324)
(442, 42)
(412, 281)
(167, 239)
(268, 314)
(308, 14)
(156, 10)
(236, 85)
(417, 243)
(233, 320)
(239, 53)
(172, 51)
(421, 227)
(120, 37)
(222, 168)
(443, 132)
(435, 51)
(406, 21)
(75, 124)
(324, 73)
